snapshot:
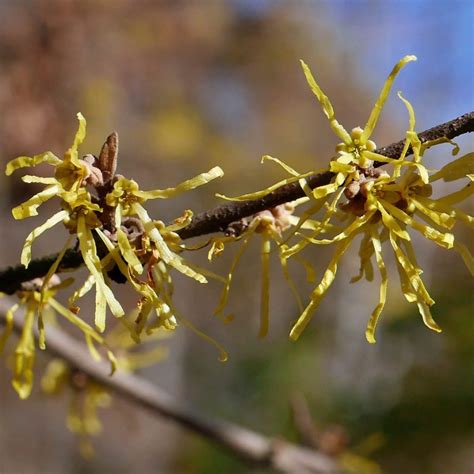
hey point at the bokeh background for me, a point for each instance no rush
(193, 84)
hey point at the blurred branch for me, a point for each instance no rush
(217, 219)
(248, 445)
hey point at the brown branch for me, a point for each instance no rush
(217, 219)
(246, 444)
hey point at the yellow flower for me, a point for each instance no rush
(383, 207)
(144, 242)
(39, 300)
(78, 214)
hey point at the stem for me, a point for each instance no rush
(217, 219)
(246, 444)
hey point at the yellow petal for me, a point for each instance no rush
(225, 291)
(456, 169)
(326, 105)
(329, 213)
(412, 272)
(287, 168)
(265, 288)
(323, 191)
(390, 222)
(187, 185)
(366, 250)
(319, 292)
(128, 252)
(27, 161)
(9, 314)
(24, 357)
(466, 255)
(103, 292)
(443, 239)
(356, 224)
(372, 324)
(38, 179)
(28, 208)
(166, 254)
(425, 312)
(51, 222)
(81, 131)
(428, 208)
(264, 192)
(384, 93)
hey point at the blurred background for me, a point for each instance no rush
(193, 84)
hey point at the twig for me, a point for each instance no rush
(217, 219)
(248, 445)
(220, 217)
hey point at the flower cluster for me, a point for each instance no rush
(366, 201)
(117, 239)
(382, 206)
(39, 303)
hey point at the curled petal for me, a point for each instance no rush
(372, 324)
(264, 192)
(225, 291)
(320, 290)
(390, 222)
(348, 231)
(38, 179)
(428, 208)
(8, 326)
(24, 357)
(425, 312)
(128, 252)
(81, 132)
(384, 93)
(326, 105)
(165, 253)
(462, 250)
(412, 272)
(187, 185)
(28, 208)
(456, 169)
(265, 288)
(287, 168)
(104, 294)
(323, 191)
(28, 161)
(443, 239)
(51, 222)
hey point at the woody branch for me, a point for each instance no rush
(217, 219)
(246, 444)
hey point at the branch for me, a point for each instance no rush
(220, 217)
(248, 445)
(217, 219)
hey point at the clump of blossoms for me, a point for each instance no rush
(39, 304)
(115, 234)
(382, 206)
(271, 225)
